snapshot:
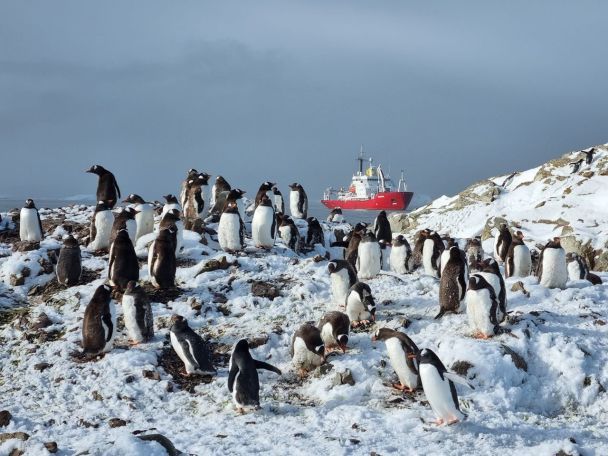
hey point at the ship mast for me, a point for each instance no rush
(361, 159)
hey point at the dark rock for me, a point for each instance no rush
(220, 298)
(25, 246)
(14, 435)
(517, 359)
(323, 369)
(43, 321)
(264, 290)
(152, 375)
(214, 265)
(258, 341)
(163, 441)
(51, 447)
(16, 452)
(116, 422)
(5, 418)
(42, 366)
(343, 378)
(461, 368)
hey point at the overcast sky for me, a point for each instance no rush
(287, 91)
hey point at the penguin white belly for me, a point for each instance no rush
(285, 232)
(398, 258)
(278, 204)
(427, 257)
(129, 313)
(144, 220)
(522, 261)
(479, 305)
(338, 218)
(327, 335)
(369, 260)
(445, 256)
(303, 357)
(168, 206)
(438, 393)
(190, 368)
(228, 232)
(398, 360)
(29, 228)
(261, 227)
(386, 258)
(339, 287)
(574, 271)
(497, 242)
(103, 226)
(355, 309)
(493, 280)
(555, 271)
(106, 330)
(294, 198)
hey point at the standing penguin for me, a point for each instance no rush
(279, 202)
(193, 202)
(243, 380)
(298, 201)
(342, 276)
(519, 261)
(431, 254)
(125, 220)
(289, 233)
(101, 227)
(382, 228)
(161, 259)
(448, 242)
(335, 216)
(355, 236)
(360, 304)
(418, 252)
(30, 226)
(107, 187)
(401, 259)
(144, 215)
(69, 264)
(264, 224)
(401, 352)
(576, 165)
(221, 185)
(452, 285)
(369, 257)
(99, 323)
(553, 271)
(190, 347)
(482, 307)
(502, 242)
(474, 252)
(123, 263)
(439, 389)
(170, 204)
(172, 220)
(334, 327)
(589, 155)
(137, 313)
(385, 254)
(230, 231)
(307, 348)
(314, 235)
(182, 194)
(490, 271)
(265, 189)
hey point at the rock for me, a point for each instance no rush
(5, 418)
(258, 341)
(25, 246)
(116, 422)
(18, 280)
(43, 321)
(97, 396)
(517, 359)
(519, 286)
(264, 290)
(323, 369)
(42, 366)
(16, 452)
(152, 375)
(14, 435)
(214, 265)
(343, 378)
(491, 223)
(461, 368)
(220, 298)
(51, 447)
(163, 441)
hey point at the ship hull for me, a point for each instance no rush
(387, 201)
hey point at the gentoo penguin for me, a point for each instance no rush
(401, 352)
(385, 254)
(230, 231)
(137, 313)
(519, 261)
(576, 165)
(448, 242)
(193, 203)
(335, 216)
(439, 389)
(417, 253)
(99, 323)
(452, 284)
(342, 276)
(589, 155)
(101, 227)
(264, 224)
(30, 226)
(69, 264)
(221, 185)
(360, 304)
(243, 380)
(279, 202)
(289, 233)
(298, 201)
(490, 271)
(474, 252)
(553, 271)
(482, 307)
(172, 220)
(334, 327)
(161, 259)
(502, 242)
(123, 264)
(578, 269)
(125, 220)
(190, 347)
(354, 238)
(182, 194)
(314, 235)
(401, 259)
(307, 348)
(223, 198)
(265, 189)
(369, 257)
(382, 228)
(431, 254)
(144, 216)
(107, 187)
(170, 203)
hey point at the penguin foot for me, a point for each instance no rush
(439, 421)
(453, 421)
(479, 335)
(302, 373)
(400, 387)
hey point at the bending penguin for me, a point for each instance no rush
(315, 234)
(69, 264)
(144, 215)
(401, 260)
(99, 322)
(161, 259)
(264, 224)
(190, 347)
(137, 312)
(369, 257)
(518, 262)
(552, 268)
(231, 229)
(123, 264)
(101, 227)
(482, 307)
(342, 276)
(360, 305)
(298, 201)
(401, 352)
(334, 327)
(453, 283)
(107, 187)
(307, 348)
(382, 228)
(30, 226)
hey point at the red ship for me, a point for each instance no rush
(370, 190)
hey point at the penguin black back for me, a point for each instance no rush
(382, 228)
(107, 187)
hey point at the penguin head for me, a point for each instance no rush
(519, 235)
(360, 227)
(134, 199)
(454, 252)
(382, 214)
(70, 242)
(293, 186)
(203, 178)
(332, 267)
(178, 323)
(369, 236)
(319, 350)
(427, 356)
(173, 214)
(242, 346)
(29, 204)
(342, 341)
(130, 213)
(266, 186)
(382, 334)
(102, 206)
(122, 235)
(103, 293)
(170, 199)
(96, 169)
(265, 201)
(276, 191)
(312, 221)
(131, 286)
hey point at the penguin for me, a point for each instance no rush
(170, 203)
(502, 242)
(518, 262)
(589, 155)
(137, 312)
(144, 215)
(385, 254)
(69, 264)
(123, 264)
(221, 185)
(401, 259)
(101, 227)
(231, 229)
(99, 322)
(490, 271)
(448, 242)
(243, 380)
(382, 228)
(30, 226)
(191, 348)
(474, 252)
(482, 307)
(193, 203)
(107, 187)
(360, 304)
(279, 202)
(354, 239)
(552, 268)
(192, 173)
(439, 389)
(431, 254)
(417, 253)
(342, 276)
(298, 201)
(307, 348)
(452, 284)
(125, 220)
(401, 352)
(161, 259)
(578, 269)
(369, 257)
(576, 165)
(289, 233)
(172, 220)
(222, 199)
(315, 234)
(335, 216)
(264, 224)
(334, 327)
(265, 189)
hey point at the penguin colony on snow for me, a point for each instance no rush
(468, 281)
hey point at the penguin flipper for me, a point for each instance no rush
(232, 376)
(266, 366)
(187, 350)
(116, 186)
(457, 379)
(40, 224)
(106, 319)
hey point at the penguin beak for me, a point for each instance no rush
(411, 356)
(90, 170)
